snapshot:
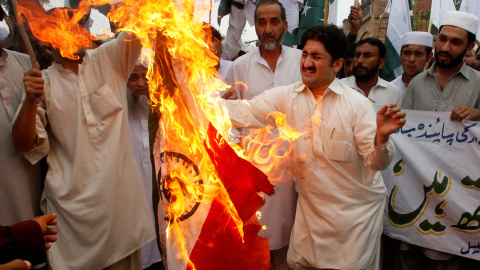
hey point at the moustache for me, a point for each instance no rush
(358, 67)
(445, 53)
(269, 36)
(313, 69)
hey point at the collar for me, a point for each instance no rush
(3, 57)
(264, 62)
(464, 70)
(334, 87)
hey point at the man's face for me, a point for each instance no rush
(348, 67)
(451, 46)
(270, 27)
(138, 82)
(476, 64)
(469, 57)
(366, 62)
(316, 65)
(413, 58)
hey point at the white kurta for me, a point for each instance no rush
(398, 82)
(138, 122)
(20, 182)
(382, 93)
(339, 218)
(278, 213)
(93, 182)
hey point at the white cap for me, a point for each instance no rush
(418, 38)
(466, 21)
(144, 58)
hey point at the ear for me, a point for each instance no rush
(337, 65)
(285, 28)
(429, 58)
(381, 63)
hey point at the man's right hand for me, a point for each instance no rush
(355, 18)
(33, 86)
(49, 233)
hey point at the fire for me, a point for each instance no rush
(181, 73)
(59, 27)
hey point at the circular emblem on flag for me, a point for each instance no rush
(181, 185)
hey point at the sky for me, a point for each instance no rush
(100, 22)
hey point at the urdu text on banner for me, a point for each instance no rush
(434, 184)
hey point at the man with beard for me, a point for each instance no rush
(138, 120)
(93, 182)
(415, 53)
(342, 146)
(264, 68)
(369, 58)
(449, 85)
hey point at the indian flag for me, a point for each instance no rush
(399, 23)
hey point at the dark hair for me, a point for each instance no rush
(350, 52)
(471, 37)
(375, 42)
(269, 2)
(332, 38)
(428, 50)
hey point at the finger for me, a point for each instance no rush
(382, 110)
(16, 265)
(454, 116)
(51, 218)
(51, 231)
(50, 238)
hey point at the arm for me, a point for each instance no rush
(28, 239)
(24, 129)
(355, 18)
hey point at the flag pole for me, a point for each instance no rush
(9, 22)
(357, 4)
(210, 13)
(325, 13)
(23, 33)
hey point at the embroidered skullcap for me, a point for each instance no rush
(417, 38)
(464, 20)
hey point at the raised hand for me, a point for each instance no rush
(390, 118)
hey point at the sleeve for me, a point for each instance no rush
(42, 145)
(124, 52)
(24, 241)
(254, 113)
(376, 157)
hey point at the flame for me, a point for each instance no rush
(59, 27)
(191, 176)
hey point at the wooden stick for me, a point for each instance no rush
(24, 35)
(357, 4)
(325, 12)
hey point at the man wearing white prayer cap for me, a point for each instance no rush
(449, 85)
(415, 53)
(469, 57)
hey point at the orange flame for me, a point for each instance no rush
(59, 27)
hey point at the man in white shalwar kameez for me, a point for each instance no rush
(93, 181)
(339, 217)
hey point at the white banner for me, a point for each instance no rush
(434, 184)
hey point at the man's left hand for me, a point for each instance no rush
(390, 118)
(465, 113)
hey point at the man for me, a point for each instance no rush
(469, 57)
(415, 53)
(348, 63)
(138, 120)
(339, 215)
(449, 85)
(476, 64)
(93, 182)
(369, 58)
(213, 38)
(21, 183)
(243, 11)
(268, 66)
